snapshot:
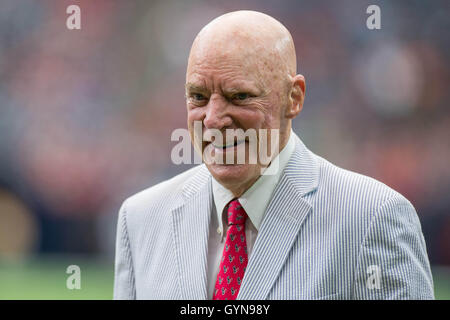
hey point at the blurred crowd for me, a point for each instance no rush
(87, 115)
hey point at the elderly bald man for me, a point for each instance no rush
(222, 230)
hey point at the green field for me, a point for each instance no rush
(46, 279)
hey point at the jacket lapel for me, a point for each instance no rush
(281, 224)
(190, 224)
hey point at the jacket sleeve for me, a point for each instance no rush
(124, 282)
(393, 261)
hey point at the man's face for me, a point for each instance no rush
(234, 89)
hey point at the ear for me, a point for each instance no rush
(297, 96)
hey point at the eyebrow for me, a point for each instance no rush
(193, 87)
(233, 90)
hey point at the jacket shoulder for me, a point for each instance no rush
(162, 194)
(353, 187)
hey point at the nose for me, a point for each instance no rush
(217, 116)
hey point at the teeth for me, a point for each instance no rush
(223, 146)
(227, 145)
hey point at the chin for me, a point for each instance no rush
(234, 176)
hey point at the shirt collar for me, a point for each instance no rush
(257, 197)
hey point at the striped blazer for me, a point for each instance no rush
(327, 233)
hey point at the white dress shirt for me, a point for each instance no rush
(254, 201)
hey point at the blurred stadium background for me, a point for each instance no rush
(86, 118)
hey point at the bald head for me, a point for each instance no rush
(249, 36)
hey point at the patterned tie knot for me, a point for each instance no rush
(236, 213)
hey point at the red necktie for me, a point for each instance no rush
(234, 257)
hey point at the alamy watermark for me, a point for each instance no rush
(74, 280)
(73, 21)
(229, 147)
(374, 20)
(374, 279)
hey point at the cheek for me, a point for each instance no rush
(251, 119)
(190, 122)
(268, 115)
(195, 114)
(275, 112)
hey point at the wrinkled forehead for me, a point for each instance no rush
(216, 55)
(239, 56)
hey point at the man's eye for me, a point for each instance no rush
(198, 96)
(241, 96)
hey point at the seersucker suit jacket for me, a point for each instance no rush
(327, 233)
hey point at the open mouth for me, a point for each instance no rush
(232, 152)
(230, 145)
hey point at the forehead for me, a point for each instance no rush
(235, 64)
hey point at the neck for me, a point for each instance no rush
(240, 189)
